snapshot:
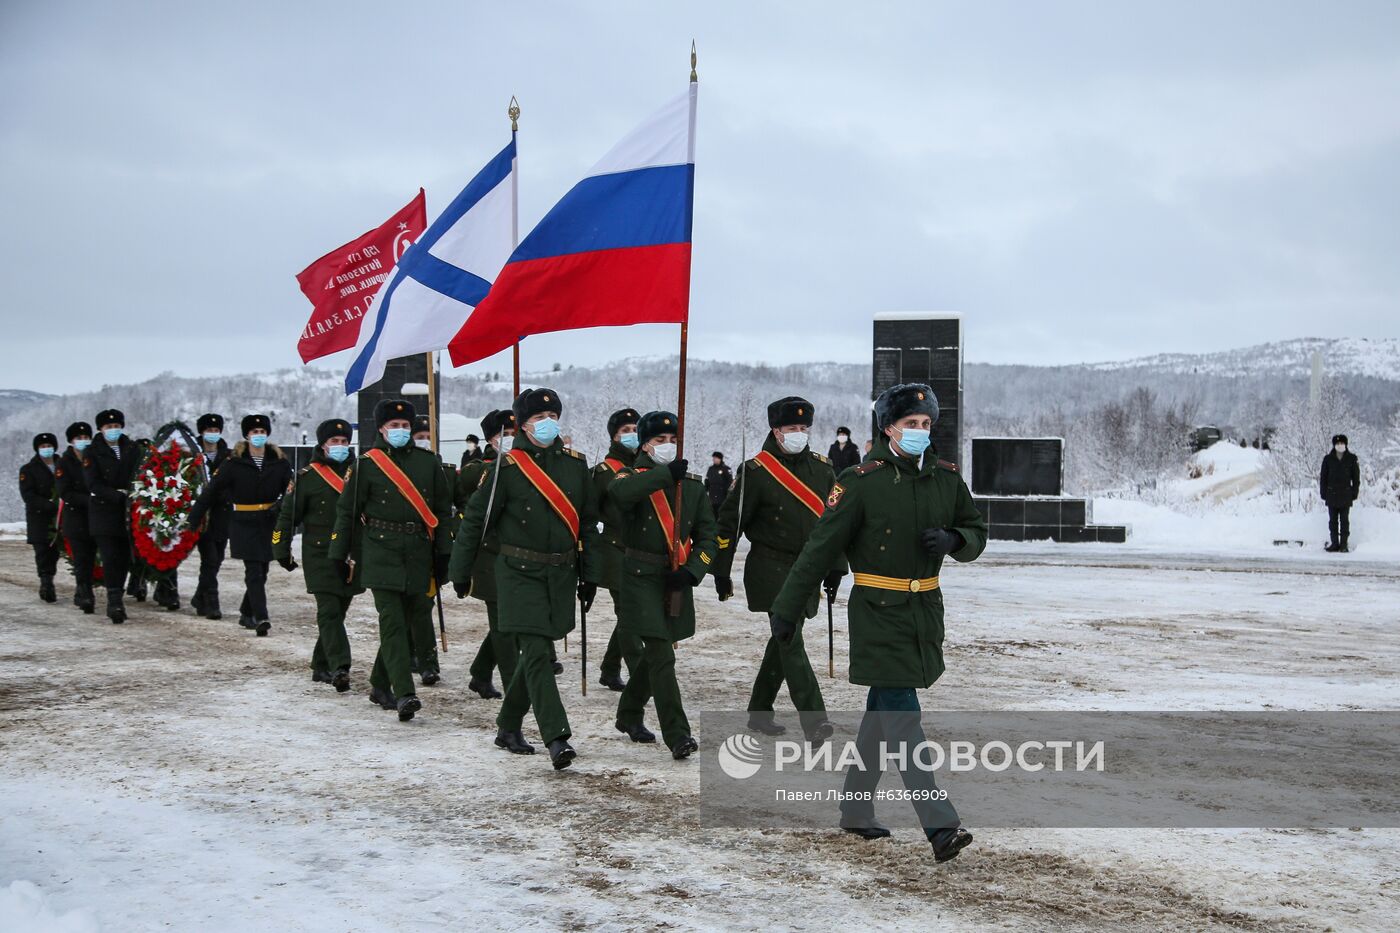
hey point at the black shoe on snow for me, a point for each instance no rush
(246, 620)
(820, 732)
(763, 722)
(46, 590)
(484, 689)
(613, 682)
(321, 677)
(1332, 548)
(430, 678)
(137, 590)
(384, 698)
(685, 748)
(1344, 549)
(561, 754)
(558, 668)
(341, 681)
(868, 831)
(197, 603)
(262, 628)
(636, 732)
(514, 742)
(947, 843)
(84, 599)
(117, 614)
(408, 706)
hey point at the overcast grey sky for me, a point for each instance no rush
(1083, 181)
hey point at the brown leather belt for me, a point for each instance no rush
(539, 557)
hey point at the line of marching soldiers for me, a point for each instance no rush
(531, 530)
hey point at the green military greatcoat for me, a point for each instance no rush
(875, 515)
(776, 524)
(603, 475)
(473, 476)
(310, 503)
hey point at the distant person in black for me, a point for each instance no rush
(36, 488)
(473, 451)
(717, 480)
(109, 470)
(214, 539)
(843, 453)
(1340, 484)
(72, 489)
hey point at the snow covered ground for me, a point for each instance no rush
(176, 773)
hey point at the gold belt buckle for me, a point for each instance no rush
(913, 586)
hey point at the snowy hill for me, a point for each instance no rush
(1353, 356)
(18, 399)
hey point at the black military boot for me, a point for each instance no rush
(84, 599)
(197, 601)
(136, 588)
(947, 843)
(1344, 549)
(408, 706)
(115, 610)
(211, 606)
(484, 689)
(46, 591)
(262, 627)
(636, 732)
(430, 678)
(246, 620)
(871, 830)
(384, 698)
(321, 677)
(561, 754)
(613, 682)
(819, 732)
(514, 742)
(762, 721)
(341, 681)
(684, 748)
(558, 668)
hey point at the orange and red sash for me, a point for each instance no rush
(548, 488)
(405, 487)
(667, 518)
(800, 491)
(333, 481)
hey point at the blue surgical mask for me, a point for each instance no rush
(46, 452)
(630, 441)
(81, 444)
(112, 435)
(399, 437)
(213, 438)
(257, 440)
(546, 430)
(913, 441)
(339, 453)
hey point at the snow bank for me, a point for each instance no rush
(25, 906)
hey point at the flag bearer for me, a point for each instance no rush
(254, 480)
(72, 489)
(663, 560)
(36, 487)
(896, 517)
(311, 503)
(541, 502)
(782, 493)
(622, 450)
(498, 427)
(108, 471)
(397, 500)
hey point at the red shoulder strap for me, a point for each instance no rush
(800, 491)
(333, 481)
(405, 487)
(548, 488)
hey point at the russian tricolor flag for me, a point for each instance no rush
(615, 250)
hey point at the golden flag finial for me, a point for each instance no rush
(693, 76)
(514, 113)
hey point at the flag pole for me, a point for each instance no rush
(513, 111)
(675, 601)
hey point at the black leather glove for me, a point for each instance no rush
(440, 562)
(678, 469)
(782, 629)
(680, 579)
(941, 542)
(587, 592)
(462, 589)
(724, 586)
(832, 583)
(287, 564)
(345, 570)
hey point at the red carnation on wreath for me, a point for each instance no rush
(161, 499)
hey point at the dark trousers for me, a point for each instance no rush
(254, 590)
(116, 561)
(391, 667)
(211, 558)
(1339, 523)
(332, 651)
(45, 559)
(532, 685)
(621, 647)
(496, 651)
(788, 662)
(892, 717)
(655, 679)
(422, 639)
(84, 553)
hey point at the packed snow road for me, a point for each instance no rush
(177, 773)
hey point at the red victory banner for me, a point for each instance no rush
(342, 283)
